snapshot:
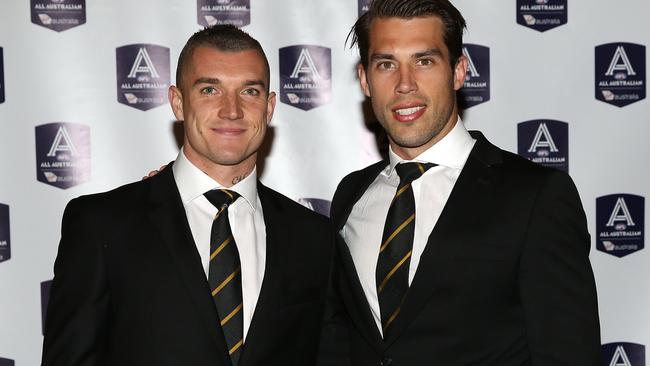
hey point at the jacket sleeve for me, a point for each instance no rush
(556, 282)
(334, 347)
(78, 309)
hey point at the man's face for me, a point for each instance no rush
(223, 101)
(410, 82)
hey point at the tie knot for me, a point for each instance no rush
(409, 172)
(220, 197)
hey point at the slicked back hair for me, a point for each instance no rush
(452, 19)
(223, 37)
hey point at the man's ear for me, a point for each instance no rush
(460, 71)
(176, 101)
(270, 107)
(363, 79)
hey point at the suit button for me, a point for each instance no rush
(387, 361)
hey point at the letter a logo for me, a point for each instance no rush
(620, 62)
(305, 76)
(62, 142)
(620, 213)
(472, 71)
(305, 65)
(620, 358)
(543, 138)
(148, 67)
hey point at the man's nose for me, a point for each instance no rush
(231, 108)
(407, 83)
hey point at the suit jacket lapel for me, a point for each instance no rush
(355, 299)
(471, 188)
(352, 293)
(167, 214)
(354, 189)
(267, 300)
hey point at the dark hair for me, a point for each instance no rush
(452, 19)
(224, 37)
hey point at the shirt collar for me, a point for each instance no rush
(451, 151)
(193, 183)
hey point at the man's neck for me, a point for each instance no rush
(225, 175)
(410, 153)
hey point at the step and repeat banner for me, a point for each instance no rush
(83, 109)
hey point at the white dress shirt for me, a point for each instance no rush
(246, 222)
(365, 226)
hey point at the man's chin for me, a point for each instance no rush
(229, 159)
(408, 139)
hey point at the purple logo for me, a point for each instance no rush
(62, 154)
(142, 75)
(45, 299)
(542, 15)
(544, 142)
(213, 12)
(476, 89)
(316, 205)
(5, 242)
(2, 78)
(620, 73)
(619, 224)
(305, 76)
(623, 354)
(58, 15)
(6, 362)
(364, 5)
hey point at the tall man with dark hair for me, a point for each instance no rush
(453, 251)
(201, 264)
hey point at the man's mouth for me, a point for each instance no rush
(408, 114)
(228, 131)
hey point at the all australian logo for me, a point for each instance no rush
(476, 89)
(364, 5)
(235, 12)
(45, 299)
(142, 75)
(2, 77)
(623, 354)
(620, 73)
(316, 204)
(620, 224)
(5, 240)
(305, 76)
(63, 154)
(58, 15)
(545, 142)
(542, 15)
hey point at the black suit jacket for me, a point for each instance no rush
(505, 277)
(129, 288)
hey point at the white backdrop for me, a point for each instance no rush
(70, 77)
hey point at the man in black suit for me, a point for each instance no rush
(453, 252)
(161, 272)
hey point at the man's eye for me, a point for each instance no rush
(208, 90)
(385, 65)
(425, 62)
(251, 92)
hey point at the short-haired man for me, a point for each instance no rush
(453, 251)
(201, 264)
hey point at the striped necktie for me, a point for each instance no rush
(397, 244)
(224, 274)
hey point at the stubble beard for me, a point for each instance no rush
(428, 132)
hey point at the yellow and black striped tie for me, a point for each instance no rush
(224, 275)
(397, 244)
